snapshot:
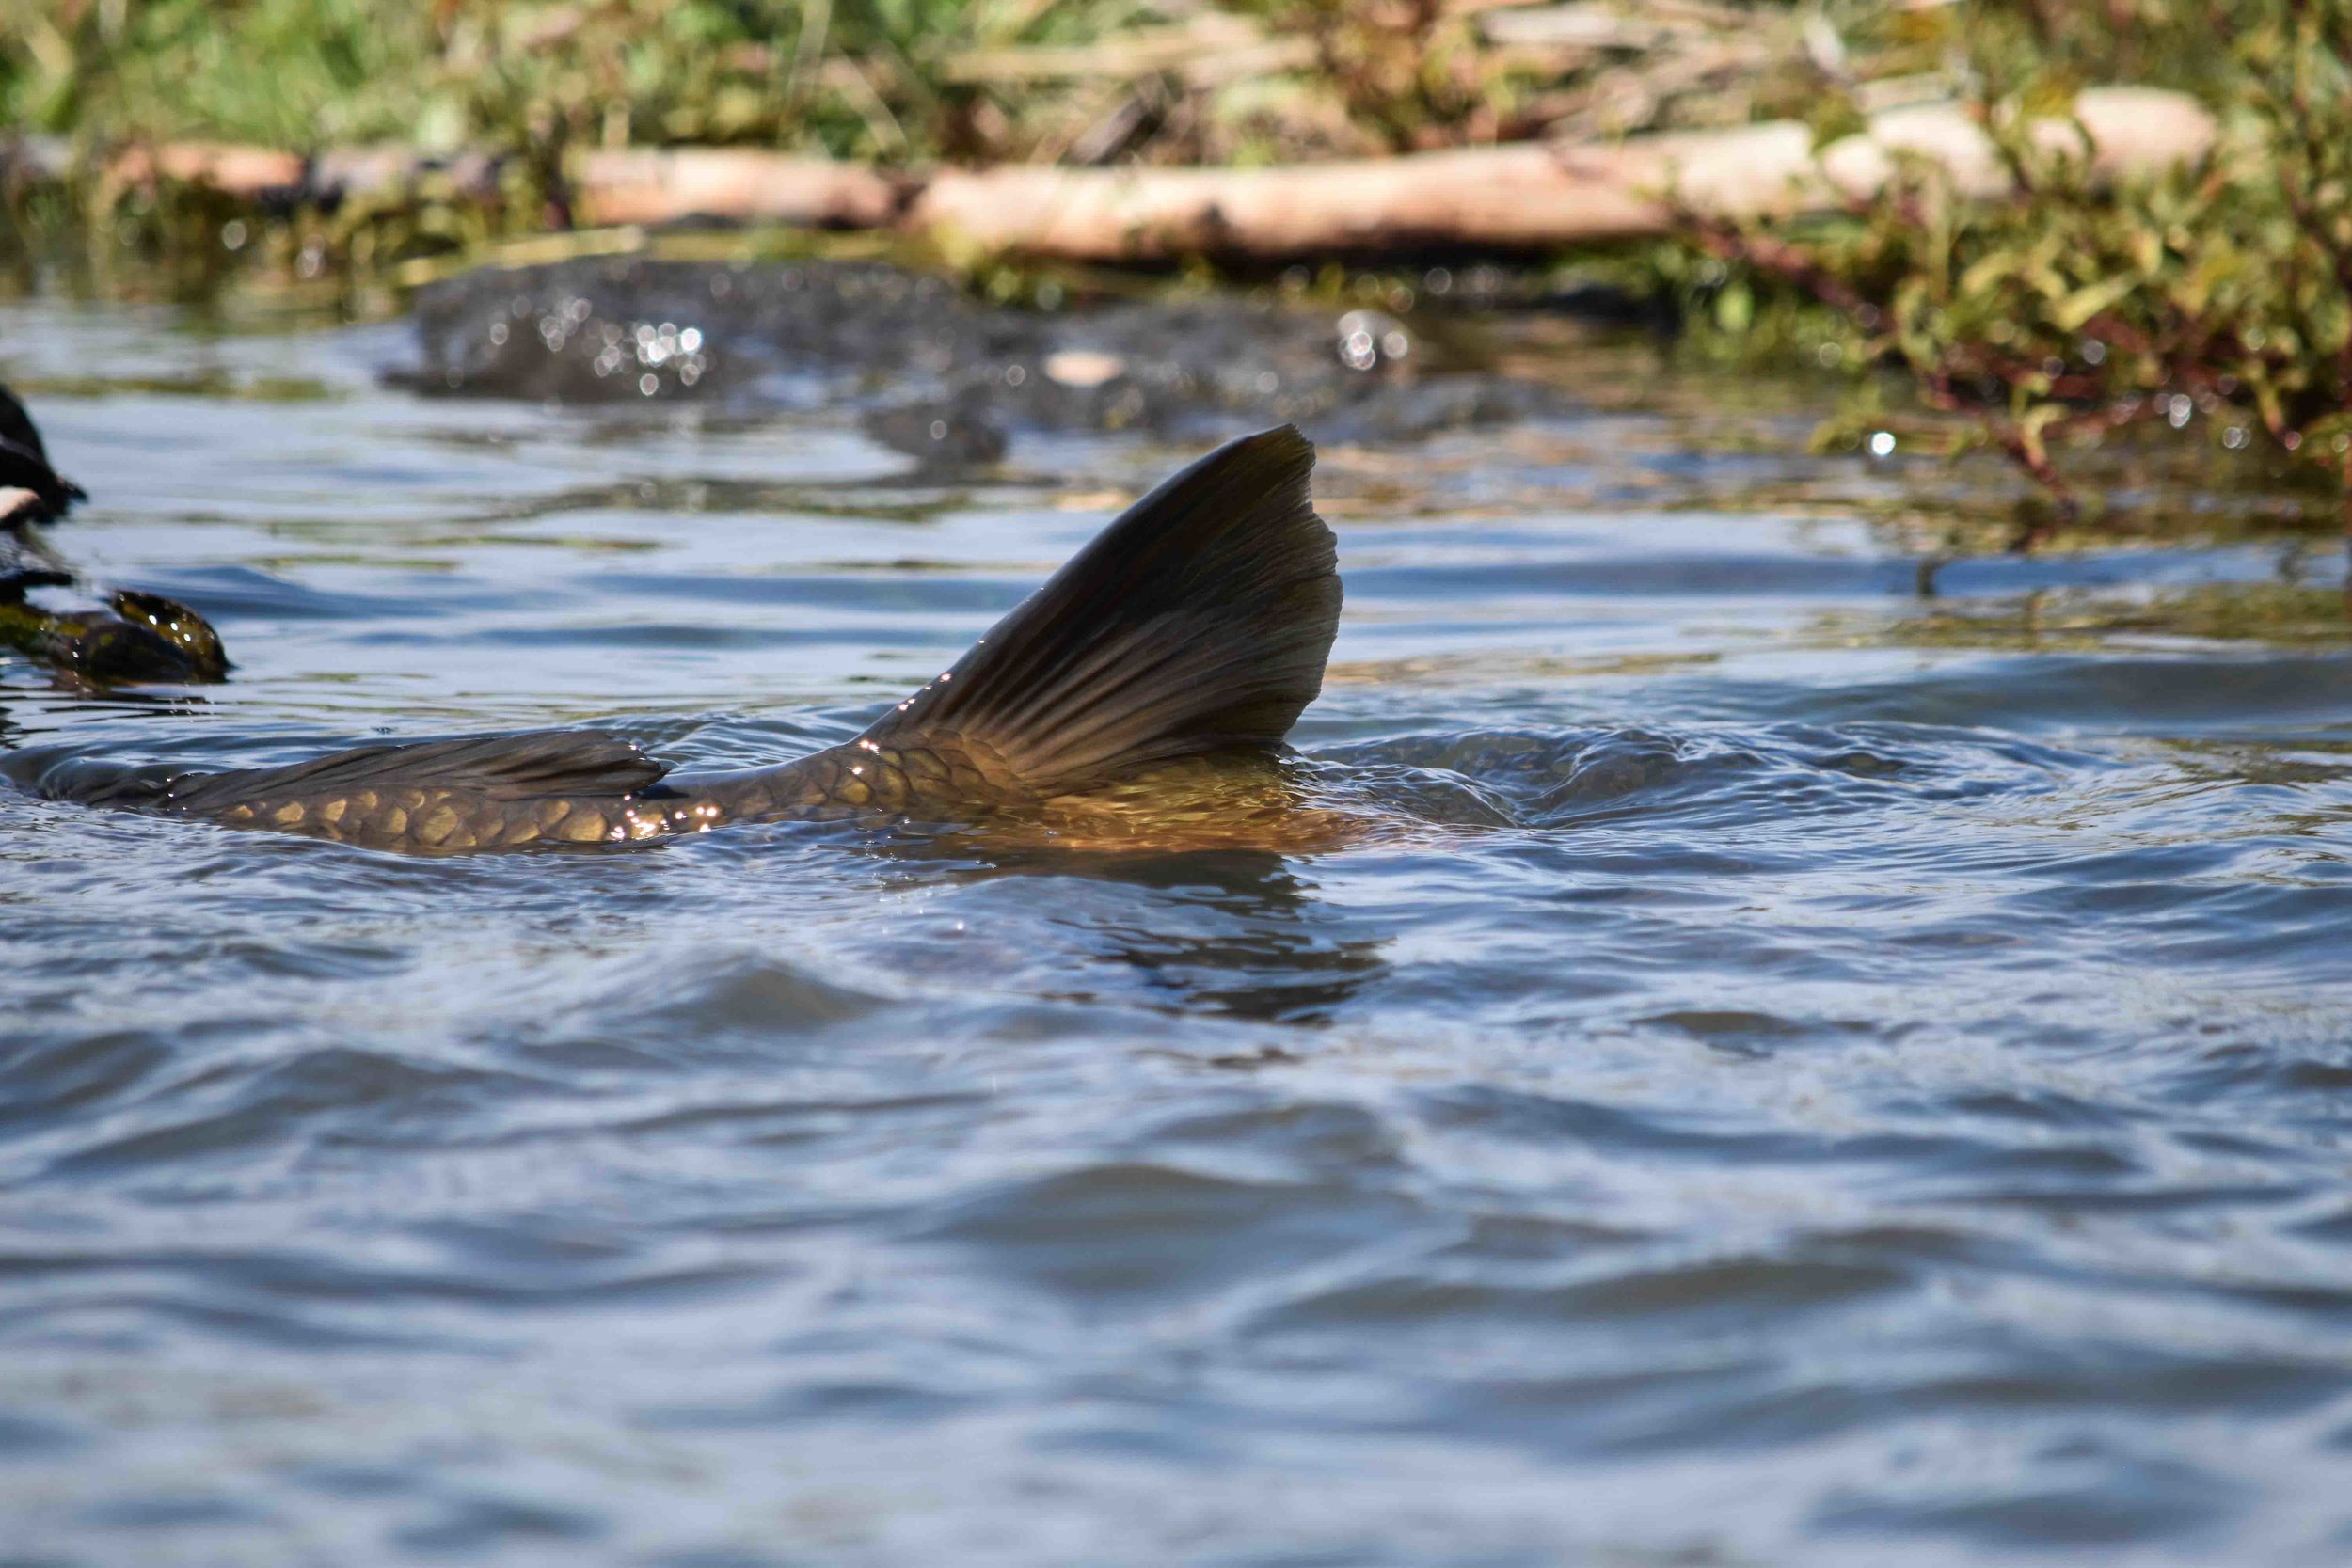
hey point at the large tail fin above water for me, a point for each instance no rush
(1197, 621)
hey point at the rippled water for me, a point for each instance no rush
(1841, 1078)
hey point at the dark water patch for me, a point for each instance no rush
(22, 1438)
(675, 636)
(231, 594)
(1556, 1122)
(230, 1113)
(1293, 1141)
(1730, 1292)
(754, 996)
(1106, 1233)
(2287, 697)
(955, 376)
(41, 1080)
(1698, 1298)
(1680, 576)
(471, 1526)
(354, 1483)
(300, 1301)
(2083, 1494)
(812, 1401)
(175, 1514)
(896, 589)
(2120, 1380)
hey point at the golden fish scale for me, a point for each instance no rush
(435, 820)
(939, 778)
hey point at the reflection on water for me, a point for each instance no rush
(1777, 1069)
(1231, 931)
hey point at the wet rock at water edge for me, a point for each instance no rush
(936, 373)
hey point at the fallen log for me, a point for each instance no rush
(1527, 196)
(664, 185)
(1519, 196)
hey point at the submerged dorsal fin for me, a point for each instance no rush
(532, 766)
(1199, 622)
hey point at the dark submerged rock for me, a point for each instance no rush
(131, 636)
(935, 373)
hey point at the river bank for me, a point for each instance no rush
(1942, 192)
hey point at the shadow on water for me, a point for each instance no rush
(1235, 932)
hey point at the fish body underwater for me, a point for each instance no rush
(1178, 647)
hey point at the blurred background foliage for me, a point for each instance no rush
(1164, 81)
(2218, 297)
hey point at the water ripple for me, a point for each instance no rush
(1796, 1072)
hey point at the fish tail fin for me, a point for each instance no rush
(1199, 622)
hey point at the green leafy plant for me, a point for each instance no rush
(2218, 296)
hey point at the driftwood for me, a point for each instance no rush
(665, 185)
(1523, 195)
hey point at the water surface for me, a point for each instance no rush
(1833, 1076)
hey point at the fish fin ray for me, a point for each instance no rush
(1200, 621)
